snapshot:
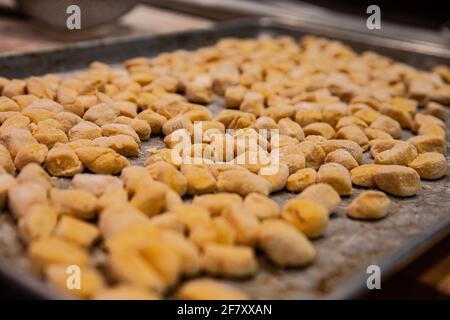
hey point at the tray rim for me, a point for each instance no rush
(354, 287)
(391, 40)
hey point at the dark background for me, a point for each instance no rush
(428, 14)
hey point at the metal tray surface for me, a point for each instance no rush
(348, 247)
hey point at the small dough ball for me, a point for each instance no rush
(49, 134)
(37, 113)
(76, 203)
(217, 202)
(141, 127)
(430, 165)
(261, 206)
(397, 180)
(209, 230)
(387, 125)
(67, 120)
(363, 175)
(91, 281)
(167, 221)
(199, 179)
(15, 139)
(102, 160)
(331, 113)
(6, 161)
(21, 197)
(337, 176)
(292, 156)
(234, 96)
(165, 261)
(150, 203)
(176, 123)
(401, 153)
(243, 222)
(242, 183)
(7, 104)
(353, 133)
(290, 128)
(53, 250)
(342, 157)
(253, 102)
(97, 184)
(373, 134)
(131, 266)
(34, 173)
(111, 197)
(350, 120)
(284, 245)
(319, 128)
(154, 120)
(63, 162)
(350, 146)
(300, 180)
(7, 181)
(100, 114)
(74, 145)
(121, 143)
(209, 289)
(229, 261)
(114, 129)
(169, 175)
(32, 153)
(84, 130)
(277, 177)
(39, 222)
(199, 89)
(133, 177)
(436, 109)
(117, 218)
(322, 193)
(314, 154)
(77, 231)
(429, 143)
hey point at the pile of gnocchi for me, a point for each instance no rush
(174, 228)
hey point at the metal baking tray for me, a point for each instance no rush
(348, 247)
